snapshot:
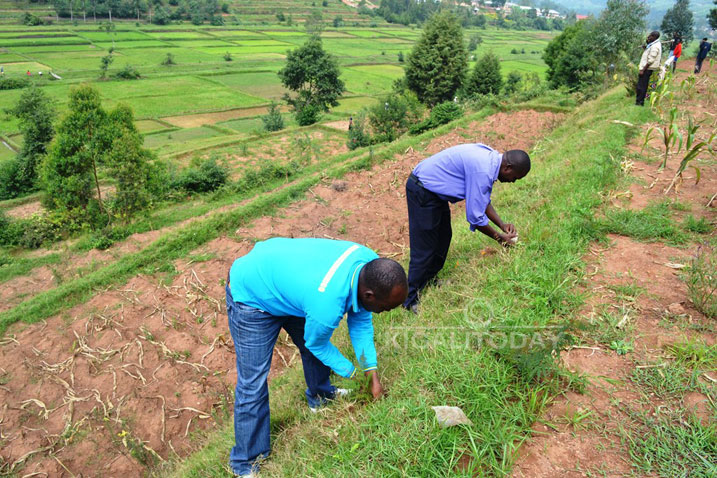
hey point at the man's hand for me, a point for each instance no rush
(506, 240)
(509, 228)
(376, 387)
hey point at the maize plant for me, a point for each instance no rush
(688, 86)
(670, 136)
(693, 149)
(662, 92)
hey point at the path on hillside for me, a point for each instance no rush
(115, 385)
(641, 284)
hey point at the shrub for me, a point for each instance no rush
(228, 57)
(128, 73)
(441, 114)
(10, 184)
(273, 121)
(307, 114)
(13, 83)
(358, 136)
(486, 78)
(202, 177)
(37, 230)
(169, 60)
(391, 118)
(513, 83)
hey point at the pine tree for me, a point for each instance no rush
(486, 78)
(437, 65)
(712, 17)
(679, 20)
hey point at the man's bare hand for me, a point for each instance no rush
(506, 240)
(509, 228)
(376, 388)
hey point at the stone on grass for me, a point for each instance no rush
(451, 416)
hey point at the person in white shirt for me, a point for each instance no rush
(649, 62)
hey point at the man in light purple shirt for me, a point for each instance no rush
(466, 171)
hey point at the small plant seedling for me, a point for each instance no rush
(621, 347)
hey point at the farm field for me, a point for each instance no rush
(202, 82)
(585, 350)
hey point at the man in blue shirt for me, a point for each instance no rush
(304, 286)
(468, 172)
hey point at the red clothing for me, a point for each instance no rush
(678, 50)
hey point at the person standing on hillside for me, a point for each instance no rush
(304, 286)
(649, 62)
(702, 53)
(675, 52)
(466, 171)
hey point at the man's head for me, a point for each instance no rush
(704, 39)
(515, 165)
(382, 285)
(654, 35)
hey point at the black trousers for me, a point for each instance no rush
(429, 227)
(698, 64)
(643, 81)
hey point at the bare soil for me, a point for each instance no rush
(201, 119)
(116, 385)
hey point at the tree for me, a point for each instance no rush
(129, 163)
(619, 29)
(314, 23)
(105, 63)
(712, 17)
(437, 65)
(679, 20)
(70, 168)
(392, 116)
(313, 75)
(486, 78)
(571, 57)
(273, 121)
(36, 113)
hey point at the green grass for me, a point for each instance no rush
(502, 391)
(654, 223)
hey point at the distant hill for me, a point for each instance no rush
(657, 9)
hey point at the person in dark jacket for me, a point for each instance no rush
(702, 53)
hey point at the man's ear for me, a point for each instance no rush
(368, 294)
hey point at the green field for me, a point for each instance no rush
(203, 81)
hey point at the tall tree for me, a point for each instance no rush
(679, 20)
(438, 63)
(314, 23)
(619, 29)
(36, 113)
(69, 172)
(313, 75)
(712, 17)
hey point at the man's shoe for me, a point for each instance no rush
(340, 392)
(414, 309)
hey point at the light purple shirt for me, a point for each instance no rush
(466, 171)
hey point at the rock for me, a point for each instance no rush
(676, 308)
(451, 416)
(339, 186)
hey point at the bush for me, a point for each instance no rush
(31, 20)
(169, 60)
(255, 178)
(13, 83)
(486, 78)
(10, 184)
(35, 231)
(513, 83)
(228, 57)
(201, 178)
(273, 121)
(128, 73)
(441, 114)
(391, 118)
(358, 136)
(307, 114)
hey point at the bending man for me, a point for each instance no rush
(468, 172)
(304, 286)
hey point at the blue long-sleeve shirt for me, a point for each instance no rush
(466, 171)
(316, 279)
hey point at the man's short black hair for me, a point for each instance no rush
(704, 39)
(382, 276)
(655, 34)
(519, 160)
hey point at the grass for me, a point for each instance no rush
(653, 223)
(502, 391)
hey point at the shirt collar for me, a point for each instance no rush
(354, 288)
(650, 44)
(497, 167)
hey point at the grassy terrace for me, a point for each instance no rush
(501, 391)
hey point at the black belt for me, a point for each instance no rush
(413, 178)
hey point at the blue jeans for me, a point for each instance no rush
(254, 333)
